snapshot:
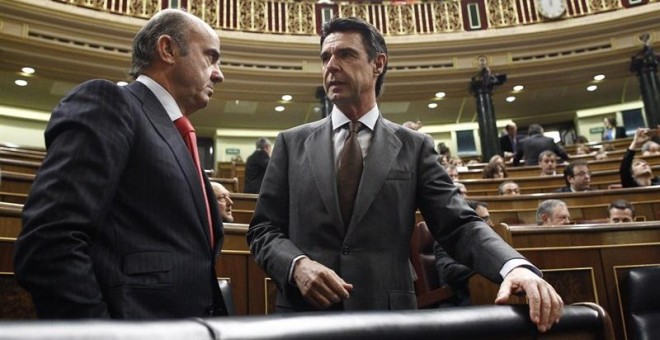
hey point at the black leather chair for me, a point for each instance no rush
(643, 303)
(578, 322)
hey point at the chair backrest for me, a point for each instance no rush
(423, 259)
(643, 303)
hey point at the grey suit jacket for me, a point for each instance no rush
(115, 224)
(298, 214)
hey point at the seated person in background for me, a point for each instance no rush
(548, 163)
(443, 160)
(552, 212)
(224, 201)
(494, 170)
(531, 147)
(508, 188)
(577, 177)
(413, 125)
(454, 274)
(461, 188)
(443, 149)
(497, 159)
(457, 161)
(621, 211)
(452, 171)
(581, 139)
(650, 148)
(636, 172)
(582, 149)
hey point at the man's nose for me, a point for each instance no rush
(217, 76)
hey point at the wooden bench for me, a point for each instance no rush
(20, 166)
(612, 163)
(230, 184)
(582, 262)
(20, 155)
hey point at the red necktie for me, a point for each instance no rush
(349, 172)
(188, 133)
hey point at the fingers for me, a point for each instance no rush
(319, 285)
(545, 305)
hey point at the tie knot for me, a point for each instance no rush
(354, 126)
(184, 126)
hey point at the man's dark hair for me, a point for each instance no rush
(622, 205)
(373, 41)
(475, 204)
(534, 129)
(172, 22)
(569, 170)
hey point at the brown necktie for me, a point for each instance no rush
(188, 133)
(349, 171)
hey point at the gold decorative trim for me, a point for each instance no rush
(235, 252)
(266, 279)
(604, 246)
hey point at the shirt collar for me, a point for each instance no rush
(368, 119)
(164, 97)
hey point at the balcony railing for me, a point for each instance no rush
(402, 17)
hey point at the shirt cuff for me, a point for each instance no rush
(293, 264)
(515, 263)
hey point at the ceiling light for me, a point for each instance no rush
(592, 88)
(510, 99)
(287, 97)
(440, 95)
(279, 108)
(518, 88)
(122, 83)
(27, 70)
(599, 77)
(20, 82)
(433, 105)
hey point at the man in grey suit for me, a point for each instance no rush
(321, 260)
(119, 222)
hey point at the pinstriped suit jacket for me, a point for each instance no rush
(298, 213)
(115, 224)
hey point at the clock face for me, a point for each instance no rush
(551, 8)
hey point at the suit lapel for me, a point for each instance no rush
(164, 126)
(383, 151)
(319, 151)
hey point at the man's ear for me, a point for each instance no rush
(165, 49)
(379, 63)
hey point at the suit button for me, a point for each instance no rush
(210, 310)
(345, 250)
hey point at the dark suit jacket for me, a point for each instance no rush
(115, 224)
(505, 143)
(298, 214)
(255, 168)
(531, 147)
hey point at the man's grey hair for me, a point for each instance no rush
(547, 207)
(262, 143)
(171, 22)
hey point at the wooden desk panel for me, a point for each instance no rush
(582, 262)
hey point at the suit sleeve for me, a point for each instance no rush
(450, 272)
(267, 234)
(456, 227)
(519, 154)
(88, 140)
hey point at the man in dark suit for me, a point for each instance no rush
(531, 147)
(119, 222)
(255, 166)
(577, 177)
(326, 254)
(509, 142)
